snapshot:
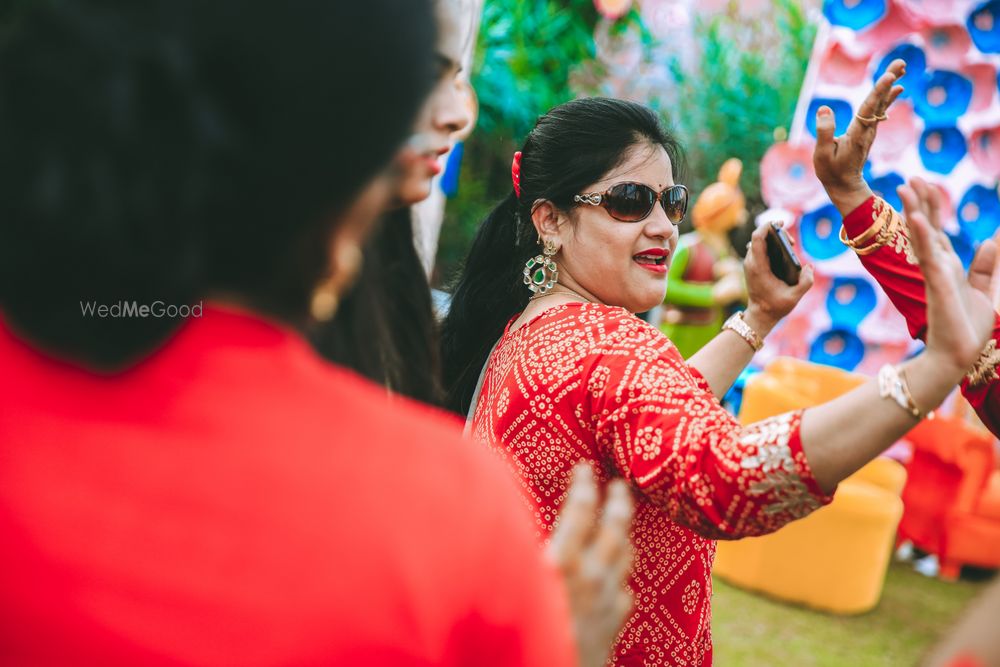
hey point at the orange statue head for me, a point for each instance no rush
(721, 206)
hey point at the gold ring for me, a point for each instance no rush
(872, 119)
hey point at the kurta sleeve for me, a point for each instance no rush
(663, 430)
(895, 268)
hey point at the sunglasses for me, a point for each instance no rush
(633, 202)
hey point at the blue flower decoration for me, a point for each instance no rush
(941, 148)
(853, 14)
(820, 232)
(979, 213)
(885, 187)
(837, 347)
(849, 301)
(842, 114)
(942, 97)
(916, 64)
(984, 26)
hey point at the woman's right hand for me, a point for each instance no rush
(769, 298)
(960, 313)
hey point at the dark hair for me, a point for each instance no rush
(385, 327)
(570, 147)
(176, 149)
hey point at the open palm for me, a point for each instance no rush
(960, 313)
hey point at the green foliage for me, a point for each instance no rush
(527, 54)
(742, 87)
(742, 82)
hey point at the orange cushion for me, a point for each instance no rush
(989, 502)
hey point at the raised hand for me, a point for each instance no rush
(839, 161)
(595, 556)
(960, 312)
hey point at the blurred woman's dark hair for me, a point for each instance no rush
(176, 149)
(570, 147)
(385, 327)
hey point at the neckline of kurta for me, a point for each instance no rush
(541, 314)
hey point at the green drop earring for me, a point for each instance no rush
(541, 272)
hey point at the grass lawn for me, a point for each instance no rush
(752, 630)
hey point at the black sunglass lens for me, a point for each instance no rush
(630, 202)
(675, 203)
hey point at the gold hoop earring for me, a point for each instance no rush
(540, 272)
(324, 302)
(326, 296)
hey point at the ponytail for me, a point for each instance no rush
(490, 291)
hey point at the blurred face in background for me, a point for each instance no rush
(446, 112)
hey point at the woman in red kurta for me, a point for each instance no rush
(593, 382)
(575, 376)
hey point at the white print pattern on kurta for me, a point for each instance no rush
(587, 382)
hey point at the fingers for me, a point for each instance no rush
(616, 520)
(613, 549)
(875, 105)
(825, 127)
(922, 234)
(930, 201)
(758, 242)
(984, 267)
(806, 280)
(623, 606)
(576, 518)
(893, 94)
(881, 95)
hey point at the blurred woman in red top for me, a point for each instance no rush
(184, 481)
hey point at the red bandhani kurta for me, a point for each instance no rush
(895, 268)
(588, 382)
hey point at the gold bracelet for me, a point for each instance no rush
(869, 233)
(874, 230)
(739, 326)
(892, 384)
(884, 236)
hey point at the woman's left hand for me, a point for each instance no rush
(769, 297)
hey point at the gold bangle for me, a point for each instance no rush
(872, 231)
(892, 384)
(884, 236)
(881, 231)
(739, 326)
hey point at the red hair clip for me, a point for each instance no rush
(515, 173)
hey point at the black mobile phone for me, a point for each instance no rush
(784, 263)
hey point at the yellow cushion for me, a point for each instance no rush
(834, 560)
